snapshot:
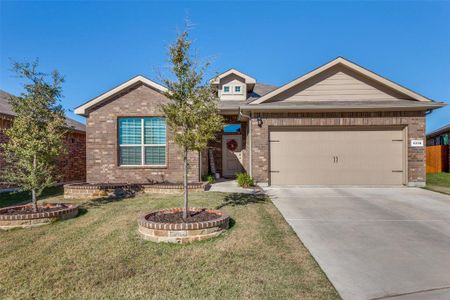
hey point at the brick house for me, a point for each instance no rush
(71, 166)
(339, 124)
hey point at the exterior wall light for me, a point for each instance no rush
(260, 121)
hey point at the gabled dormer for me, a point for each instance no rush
(233, 85)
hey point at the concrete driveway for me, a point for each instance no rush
(374, 243)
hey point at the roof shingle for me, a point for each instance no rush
(5, 109)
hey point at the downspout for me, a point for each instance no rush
(249, 141)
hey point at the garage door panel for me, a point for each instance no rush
(363, 157)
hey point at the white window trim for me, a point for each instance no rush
(229, 92)
(238, 93)
(143, 145)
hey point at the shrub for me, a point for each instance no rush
(209, 178)
(244, 180)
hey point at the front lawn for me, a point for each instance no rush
(8, 199)
(99, 254)
(439, 182)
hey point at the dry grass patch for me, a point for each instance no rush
(99, 254)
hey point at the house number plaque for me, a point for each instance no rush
(416, 143)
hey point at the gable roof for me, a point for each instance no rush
(352, 66)
(439, 131)
(6, 109)
(248, 79)
(82, 109)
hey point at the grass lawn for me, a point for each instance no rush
(99, 254)
(439, 182)
(8, 199)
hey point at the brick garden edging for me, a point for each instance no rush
(174, 188)
(104, 190)
(100, 190)
(9, 221)
(182, 232)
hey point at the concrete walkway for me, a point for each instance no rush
(374, 243)
(230, 186)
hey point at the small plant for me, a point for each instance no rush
(208, 178)
(244, 180)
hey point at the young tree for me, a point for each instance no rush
(192, 113)
(35, 138)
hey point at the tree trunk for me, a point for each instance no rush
(33, 200)
(33, 191)
(185, 185)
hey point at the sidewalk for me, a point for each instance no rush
(231, 186)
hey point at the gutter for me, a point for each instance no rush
(340, 109)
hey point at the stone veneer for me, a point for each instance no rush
(414, 121)
(105, 190)
(182, 233)
(102, 141)
(95, 191)
(35, 219)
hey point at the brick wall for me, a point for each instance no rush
(415, 122)
(102, 141)
(71, 166)
(5, 123)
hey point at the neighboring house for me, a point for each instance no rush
(439, 136)
(338, 124)
(71, 166)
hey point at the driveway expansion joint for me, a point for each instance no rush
(411, 293)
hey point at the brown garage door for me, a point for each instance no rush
(336, 157)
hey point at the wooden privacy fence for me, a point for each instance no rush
(437, 159)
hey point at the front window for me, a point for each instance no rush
(226, 89)
(142, 141)
(237, 89)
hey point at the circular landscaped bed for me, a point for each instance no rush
(169, 226)
(23, 215)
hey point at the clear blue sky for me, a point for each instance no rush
(98, 45)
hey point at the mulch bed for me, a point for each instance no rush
(177, 217)
(28, 209)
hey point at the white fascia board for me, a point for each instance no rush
(248, 79)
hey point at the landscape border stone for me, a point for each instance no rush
(182, 233)
(9, 221)
(116, 190)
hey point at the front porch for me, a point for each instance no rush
(228, 154)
